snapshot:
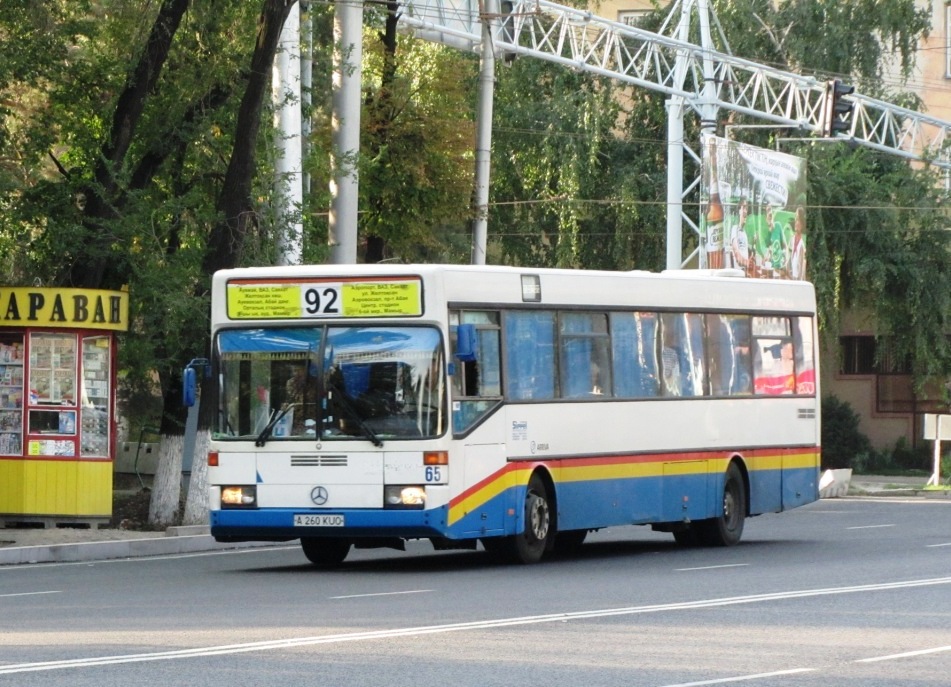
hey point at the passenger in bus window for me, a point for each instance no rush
(671, 364)
(597, 389)
(299, 405)
(379, 398)
(742, 360)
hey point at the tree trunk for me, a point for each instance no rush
(167, 485)
(196, 503)
(234, 205)
(236, 211)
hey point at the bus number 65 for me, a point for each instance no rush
(433, 474)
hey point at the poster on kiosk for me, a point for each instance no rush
(58, 403)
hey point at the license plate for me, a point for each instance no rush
(322, 520)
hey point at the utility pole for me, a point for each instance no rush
(306, 85)
(286, 96)
(483, 152)
(345, 125)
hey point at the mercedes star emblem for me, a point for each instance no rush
(319, 495)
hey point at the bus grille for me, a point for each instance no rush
(318, 461)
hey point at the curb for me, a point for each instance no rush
(125, 548)
(911, 491)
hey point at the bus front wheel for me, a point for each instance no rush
(529, 546)
(325, 552)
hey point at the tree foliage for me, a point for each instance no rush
(562, 191)
(417, 134)
(865, 40)
(133, 158)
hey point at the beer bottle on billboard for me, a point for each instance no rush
(714, 223)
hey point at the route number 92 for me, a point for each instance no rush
(321, 300)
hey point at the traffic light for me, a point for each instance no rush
(838, 108)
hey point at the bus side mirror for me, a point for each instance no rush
(466, 343)
(189, 386)
(190, 382)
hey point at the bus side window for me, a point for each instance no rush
(476, 354)
(773, 357)
(530, 354)
(476, 366)
(682, 358)
(804, 356)
(634, 351)
(585, 362)
(728, 350)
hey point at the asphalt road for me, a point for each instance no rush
(842, 592)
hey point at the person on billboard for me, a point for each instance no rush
(797, 259)
(739, 241)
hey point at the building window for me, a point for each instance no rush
(858, 355)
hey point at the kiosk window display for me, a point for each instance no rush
(57, 403)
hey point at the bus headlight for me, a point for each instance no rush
(404, 496)
(238, 497)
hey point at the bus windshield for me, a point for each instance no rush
(371, 383)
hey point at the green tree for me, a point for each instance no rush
(417, 135)
(137, 148)
(556, 159)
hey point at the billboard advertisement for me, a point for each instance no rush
(753, 210)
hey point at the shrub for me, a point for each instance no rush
(842, 442)
(906, 457)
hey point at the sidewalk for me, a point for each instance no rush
(68, 543)
(72, 544)
(891, 485)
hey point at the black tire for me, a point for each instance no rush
(325, 552)
(529, 545)
(726, 529)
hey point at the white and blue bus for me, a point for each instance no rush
(368, 405)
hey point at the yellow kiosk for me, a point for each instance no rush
(58, 403)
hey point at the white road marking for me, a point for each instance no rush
(907, 654)
(364, 596)
(5, 596)
(293, 642)
(935, 546)
(713, 567)
(899, 499)
(740, 678)
(868, 527)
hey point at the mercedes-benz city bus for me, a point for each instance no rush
(368, 405)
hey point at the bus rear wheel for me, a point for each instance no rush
(325, 552)
(726, 529)
(530, 545)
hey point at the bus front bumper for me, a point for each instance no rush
(284, 524)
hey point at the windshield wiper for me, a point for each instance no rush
(355, 416)
(276, 416)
